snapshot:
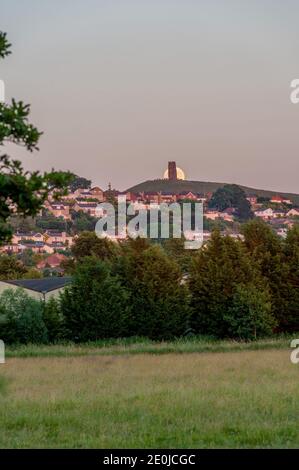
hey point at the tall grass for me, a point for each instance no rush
(136, 345)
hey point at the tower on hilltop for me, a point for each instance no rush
(172, 173)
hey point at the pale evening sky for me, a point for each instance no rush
(120, 87)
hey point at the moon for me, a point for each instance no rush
(180, 174)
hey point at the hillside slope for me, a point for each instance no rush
(176, 187)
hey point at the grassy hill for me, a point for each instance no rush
(176, 187)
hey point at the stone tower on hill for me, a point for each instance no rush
(172, 173)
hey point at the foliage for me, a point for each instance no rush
(48, 221)
(266, 249)
(88, 244)
(216, 272)
(54, 320)
(11, 267)
(159, 302)
(249, 315)
(21, 318)
(96, 305)
(232, 196)
(78, 182)
(83, 222)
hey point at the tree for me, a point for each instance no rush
(78, 182)
(159, 301)
(289, 321)
(11, 268)
(88, 244)
(48, 221)
(83, 222)
(54, 320)
(21, 318)
(232, 196)
(21, 192)
(266, 249)
(250, 315)
(217, 270)
(96, 305)
(175, 249)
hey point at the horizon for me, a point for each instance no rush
(120, 88)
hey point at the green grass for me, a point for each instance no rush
(196, 344)
(86, 397)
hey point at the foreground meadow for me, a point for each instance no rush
(232, 399)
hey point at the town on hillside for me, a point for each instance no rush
(46, 240)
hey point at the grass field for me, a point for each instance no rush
(90, 398)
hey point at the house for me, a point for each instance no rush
(59, 210)
(40, 289)
(52, 261)
(278, 214)
(86, 207)
(265, 214)
(52, 237)
(227, 215)
(212, 215)
(189, 195)
(277, 200)
(252, 200)
(97, 193)
(293, 213)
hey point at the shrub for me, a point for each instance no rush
(21, 318)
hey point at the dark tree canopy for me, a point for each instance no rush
(232, 196)
(78, 182)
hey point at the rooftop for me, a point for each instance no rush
(41, 285)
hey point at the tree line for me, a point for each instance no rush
(230, 288)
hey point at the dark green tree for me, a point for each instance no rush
(21, 318)
(88, 244)
(54, 320)
(289, 320)
(266, 249)
(250, 316)
(158, 298)
(232, 196)
(217, 270)
(96, 305)
(78, 182)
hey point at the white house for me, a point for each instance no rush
(265, 214)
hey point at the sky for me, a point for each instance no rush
(120, 87)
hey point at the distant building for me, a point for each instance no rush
(277, 200)
(52, 261)
(40, 289)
